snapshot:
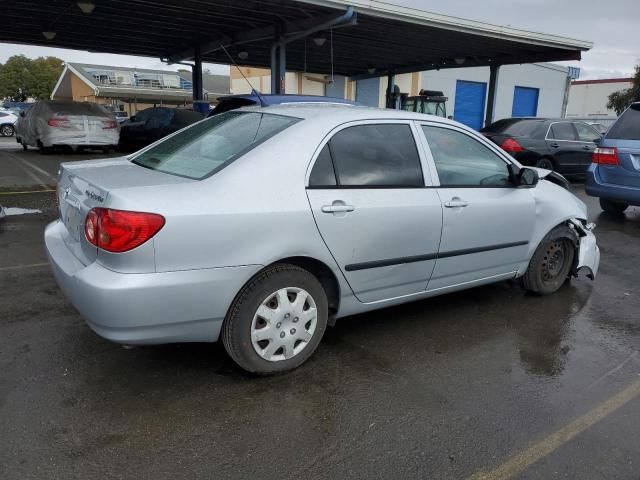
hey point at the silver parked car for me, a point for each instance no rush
(263, 225)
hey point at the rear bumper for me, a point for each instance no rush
(150, 308)
(595, 187)
(80, 139)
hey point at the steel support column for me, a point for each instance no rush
(199, 105)
(390, 97)
(491, 96)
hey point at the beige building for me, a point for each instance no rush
(588, 98)
(132, 90)
(300, 83)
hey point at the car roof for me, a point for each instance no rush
(340, 113)
(273, 99)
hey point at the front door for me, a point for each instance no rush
(368, 197)
(487, 222)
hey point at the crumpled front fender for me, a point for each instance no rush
(588, 253)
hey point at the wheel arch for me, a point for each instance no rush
(325, 276)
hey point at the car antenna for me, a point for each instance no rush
(253, 90)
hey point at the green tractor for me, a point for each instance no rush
(431, 102)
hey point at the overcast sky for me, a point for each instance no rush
(611, 25)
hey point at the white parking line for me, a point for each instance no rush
(49, 180)
(22, 267)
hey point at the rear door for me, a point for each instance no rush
(567, 151)
(587, 138)
(487, 222)
(367, 192)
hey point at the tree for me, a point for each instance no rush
(22, 78)
(620, 100)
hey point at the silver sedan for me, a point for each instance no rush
(264, 225)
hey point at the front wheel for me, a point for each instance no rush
(552, 262)
(545, 163)
(613, 207)
(277, 320)
(7, 130)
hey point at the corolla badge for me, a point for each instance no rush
(94, 196)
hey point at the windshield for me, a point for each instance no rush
(627, 127)
(208, 146)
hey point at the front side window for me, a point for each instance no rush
(562, 131)
(208, 146)
(586, 133)
(381, 155)
(462, 161)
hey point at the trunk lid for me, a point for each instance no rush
(88, 184)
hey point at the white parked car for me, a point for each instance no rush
(49, 124)
(7, 123)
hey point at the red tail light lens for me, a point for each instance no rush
(511, 146)
(606, 156)
(119, 230)
(107, 124)
(59, 122)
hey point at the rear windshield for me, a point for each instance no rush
(627, 127)
(77, 108)
(209, 146)
(516, 128)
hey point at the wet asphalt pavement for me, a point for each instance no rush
(487, 383)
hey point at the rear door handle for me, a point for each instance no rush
(555, 145)
(337, 208)
(456, 203)
(587, 147)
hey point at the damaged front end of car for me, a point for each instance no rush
(588, 258)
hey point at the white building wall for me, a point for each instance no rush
(590, 99)
(550, 79)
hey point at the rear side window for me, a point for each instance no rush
(323, 174)
(209, 146)
(562, 131)
(383, 155)
(628, 125)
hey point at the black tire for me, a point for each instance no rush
(7, 130)
(236, 329)
(546, 163)
(42, 150)
(613, 207)
(24, 145)
(552, 261)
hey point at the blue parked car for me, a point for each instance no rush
(614, 175)
(231, 102)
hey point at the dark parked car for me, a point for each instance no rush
(562, 145)
(231, 102)
(614, 175)
(152, 124)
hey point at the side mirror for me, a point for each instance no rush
(528, 177)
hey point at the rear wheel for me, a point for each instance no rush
(552, 261)
(7, 130)
(613, 207)
(277, 320)
(545, 163)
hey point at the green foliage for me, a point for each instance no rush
(22, 77)
(620, 100)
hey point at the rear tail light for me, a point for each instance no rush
(59, 122)
(106, 124)
(119, 230)
(511, 146)
(606, 156)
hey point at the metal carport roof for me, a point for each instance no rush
(387, 37)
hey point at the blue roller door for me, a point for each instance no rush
(368, 92)
(525, 102)
(470, 102)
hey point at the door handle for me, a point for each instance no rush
(586, 147)
(337, 208)
(455, 202)
(555, 145)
